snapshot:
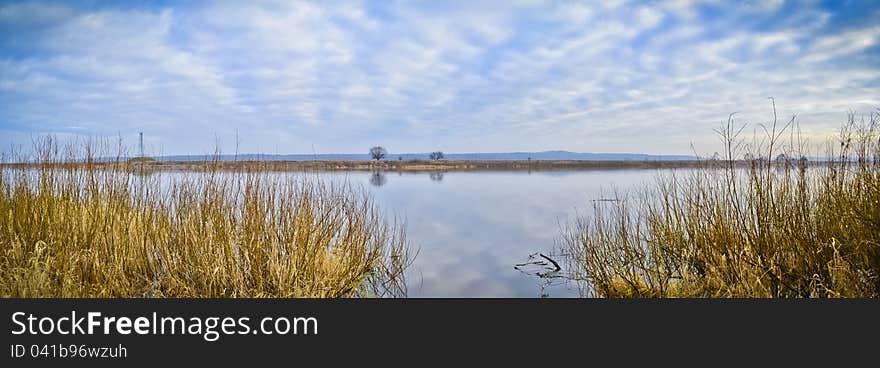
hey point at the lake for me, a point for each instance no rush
(486, 233)
(471, 229)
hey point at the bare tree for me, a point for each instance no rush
(378, 152)
(438, 155)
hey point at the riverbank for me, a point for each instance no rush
(433, 166)
(725, 232)
(415, 165)
(106, 230)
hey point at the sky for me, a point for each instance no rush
(418, 76)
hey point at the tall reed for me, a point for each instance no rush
(74, 225)
(761, 227)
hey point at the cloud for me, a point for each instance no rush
(847, 43)
(648, 17)
(647, 77)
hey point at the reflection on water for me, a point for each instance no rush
(546, 269)
(378, 179)
(486, 234)
(483, 234)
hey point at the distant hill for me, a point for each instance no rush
(500, 156)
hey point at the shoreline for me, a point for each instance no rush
(408, 165)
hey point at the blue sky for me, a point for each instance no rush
(458, 76)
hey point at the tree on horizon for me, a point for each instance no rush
(378, 152)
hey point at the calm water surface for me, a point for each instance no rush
(472, 228)
(485, 234)
(482, 234)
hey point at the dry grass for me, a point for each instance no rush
(72, 227)
(770, 230)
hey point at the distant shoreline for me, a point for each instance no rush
(454, 165)
(417, 165)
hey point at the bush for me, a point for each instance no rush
(744, 228)
(80, 228)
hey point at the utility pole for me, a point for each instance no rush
(141, 144)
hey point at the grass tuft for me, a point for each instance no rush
(762, 227)
(75, 226)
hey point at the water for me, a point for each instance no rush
(486, 234)
(472, 228)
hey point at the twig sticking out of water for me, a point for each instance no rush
(551, 261)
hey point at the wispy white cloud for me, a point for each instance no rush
(459, 76)
(847, 43)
